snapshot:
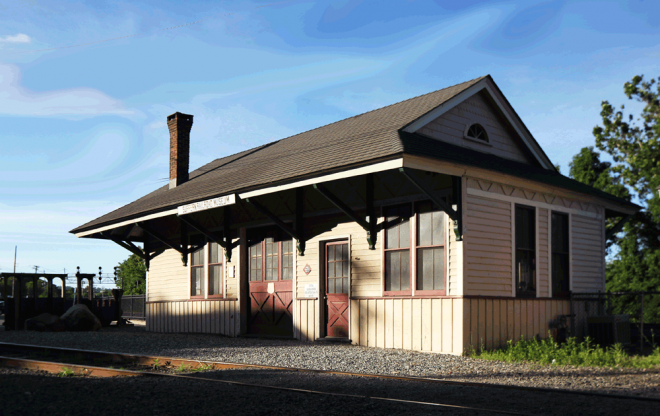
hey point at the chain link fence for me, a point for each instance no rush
(628, 318)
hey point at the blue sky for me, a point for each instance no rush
(83, 127)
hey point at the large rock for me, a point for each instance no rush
(80, 318)
(45, 323)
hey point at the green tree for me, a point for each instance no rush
(131, 275)
(632, 143)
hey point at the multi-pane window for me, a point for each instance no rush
(397, 248)
(560, 255)
(428, 242)
(271, 259)
(430, 248)
(215, 269)
(255, 262)
(197, 273)
(287, 260)
(525, 251)
(337, 264)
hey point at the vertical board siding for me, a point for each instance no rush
(587, 253)
(307, 318)
(488, 259)
(493, 322)
(205, 317)
(412, 324)
(450, 127)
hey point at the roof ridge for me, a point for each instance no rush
(387, 106)
(258, 148)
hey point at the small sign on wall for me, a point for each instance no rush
(271, 288)
(307, 269)
(230, 271)
(311, 290)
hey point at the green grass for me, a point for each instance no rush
(182, 368)
(66, 372)
(572, 352)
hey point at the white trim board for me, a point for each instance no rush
(481, 85)
(128, 222)
(500, 197)
(377, 167)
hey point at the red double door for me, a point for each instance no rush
(271, 293)
(336, 289)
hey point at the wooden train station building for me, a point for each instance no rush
(434, 224)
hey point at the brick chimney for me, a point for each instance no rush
(179, 125)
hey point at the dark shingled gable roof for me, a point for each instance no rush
(356, 140)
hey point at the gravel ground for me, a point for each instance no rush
(342, 357)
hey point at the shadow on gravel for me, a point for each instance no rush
(26, 393)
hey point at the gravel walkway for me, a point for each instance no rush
(341, 357)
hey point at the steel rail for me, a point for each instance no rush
(219, 365)
(92, 371)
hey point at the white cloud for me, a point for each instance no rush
(86, 102)
(17, 38)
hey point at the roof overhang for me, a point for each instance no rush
(363, 170)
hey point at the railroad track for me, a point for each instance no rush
(102, 364)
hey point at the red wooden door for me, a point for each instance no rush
(271, 294)
(336, 289)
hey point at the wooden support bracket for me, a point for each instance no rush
(221, 241)
(425, 187)
(298, 224)
(366, 225)
(619, 225)
(126, 244)
(180, 248)
(273, 218)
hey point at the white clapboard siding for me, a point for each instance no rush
(491, 322)
(543, 266)
(587, 250)
(168, 277)
(207, 317)
(454, 261)
(433, 325)
(366, 279)
(488, 258)
(450, 127)
(231, 283)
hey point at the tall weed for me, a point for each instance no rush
(572, 352)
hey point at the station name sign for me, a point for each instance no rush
(208, 204)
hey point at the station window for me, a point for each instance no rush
(197, 273)
(271, 258)
(560, 255)
(428, 256)
(525, 252)
(215, 269)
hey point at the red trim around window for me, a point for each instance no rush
(412, 249)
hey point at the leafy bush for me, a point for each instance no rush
(572, 352)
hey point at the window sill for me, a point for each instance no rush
(472, 139)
